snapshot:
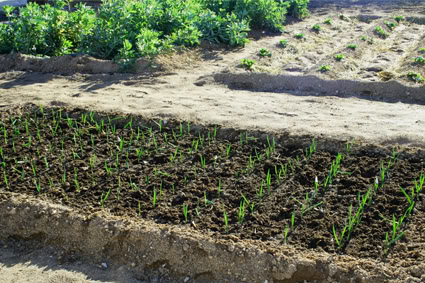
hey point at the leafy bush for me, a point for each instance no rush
(124, 30)
(5, 39)
(298, 8)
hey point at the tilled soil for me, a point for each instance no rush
(156, 171)
(375, 56)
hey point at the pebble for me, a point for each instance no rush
(104, 265)
(186, 279)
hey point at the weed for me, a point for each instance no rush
(328, 21)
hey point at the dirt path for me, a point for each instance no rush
(177, 96)
(19, 264)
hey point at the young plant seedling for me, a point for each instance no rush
(328, 21)
(299, 36)
(399, 19)
(339, 57)
(264, 53)
(352, 46)
(316, 28)
(248, 64)
(420, 60)
(381, 32)
(324, 68)
(415, 77)
(284, 43)
(391, 25)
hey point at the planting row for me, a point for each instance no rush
(253, 189)
(377, 49)
(126, 30)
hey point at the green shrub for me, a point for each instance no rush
(298, 8)
(123, 30)
(5, 39)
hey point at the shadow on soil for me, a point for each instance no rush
(390, 91)
(26, 261)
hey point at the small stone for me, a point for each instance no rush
(104, 265)
(186, 247)
(133, 264)
(231, 248)
(266, 281)
(12, 211)
(417, 271)
(186, 279)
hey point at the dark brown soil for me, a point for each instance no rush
(48, 154)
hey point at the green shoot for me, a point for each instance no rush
(185, 212)
(226, 222)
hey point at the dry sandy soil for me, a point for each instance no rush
(197, 86)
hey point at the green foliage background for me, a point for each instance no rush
(124, 30)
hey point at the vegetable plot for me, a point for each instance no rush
(173, 173)
(124, 30)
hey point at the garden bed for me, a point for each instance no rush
(360, 52)
(277, 192)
